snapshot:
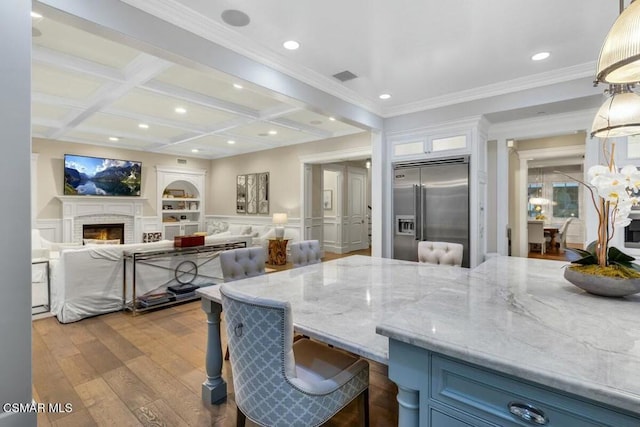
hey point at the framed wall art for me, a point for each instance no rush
(263, 193)
(327, 201)
(252, 193)
(241, 194)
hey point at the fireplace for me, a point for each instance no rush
(103, 231)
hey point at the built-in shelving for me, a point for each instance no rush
(180, 201)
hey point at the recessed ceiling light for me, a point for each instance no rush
(540, 56)
(237, 86)
(35, 15)
(180, 110)
(235, 18)
(143, 126)
(291, 45)
(194, 150)
(333, 119)
(114, 138)
(231, 142)
(385, 96)
(273, 132)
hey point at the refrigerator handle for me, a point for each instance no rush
(417, 217)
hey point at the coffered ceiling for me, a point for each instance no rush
(88, 89)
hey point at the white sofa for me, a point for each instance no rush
(260, 234)
(88, 280)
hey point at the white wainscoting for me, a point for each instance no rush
(333, 241)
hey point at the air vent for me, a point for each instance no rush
(345, 76)
(182, 161)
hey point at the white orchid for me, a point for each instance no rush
(615, 190)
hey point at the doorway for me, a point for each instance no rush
(545, 191)
(346, 202)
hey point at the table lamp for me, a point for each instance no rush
(279, 219)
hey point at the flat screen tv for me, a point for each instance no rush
(98, 176)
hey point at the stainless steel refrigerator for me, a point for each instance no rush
(430, 202)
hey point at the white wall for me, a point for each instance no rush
(15, 303)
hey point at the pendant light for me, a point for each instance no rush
(619, 115)
(619, 60)
(619, 65)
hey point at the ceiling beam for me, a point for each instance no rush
(141, 69)
(75, 64)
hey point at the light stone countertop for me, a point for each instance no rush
(515, 315)
(341, 302)
(521, 317)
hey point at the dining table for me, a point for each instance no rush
(552, 232)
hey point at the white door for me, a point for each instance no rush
(356, 220)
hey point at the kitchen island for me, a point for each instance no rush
(512, 343)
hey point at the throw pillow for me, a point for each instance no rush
(216, 227)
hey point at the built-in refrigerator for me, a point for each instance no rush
(430, 202)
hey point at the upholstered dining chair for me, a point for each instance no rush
(241, 263)
(440, 253)
(535, 233)
(305, 252)
(280, 383)
(562, 233)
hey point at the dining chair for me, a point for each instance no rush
(305, 252)
(535, 232)
(280, 383)
(562, 233)
(241, 263)
(446, 253)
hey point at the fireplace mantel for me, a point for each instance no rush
(82, 208)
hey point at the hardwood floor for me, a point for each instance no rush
(555, 255)
(147, 370)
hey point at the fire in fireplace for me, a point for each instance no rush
(103, 232)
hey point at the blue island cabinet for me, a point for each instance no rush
(441, 391)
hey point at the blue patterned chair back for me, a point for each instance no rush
(305, 252)
(242, 263)
(267, 390)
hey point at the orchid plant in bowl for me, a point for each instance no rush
(613, 194)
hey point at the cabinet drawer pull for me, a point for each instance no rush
(528, 413)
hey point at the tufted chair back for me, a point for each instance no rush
(242, 263)
(440, 253)
(270, 387)
(305, 252)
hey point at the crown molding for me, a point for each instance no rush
(192, 21)
(516, 85)
(539, 127)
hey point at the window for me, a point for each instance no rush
(565, 199)
(534, 190)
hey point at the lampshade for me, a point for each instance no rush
(618, 116)
(538, 201)
(619, 60)
(279, 218)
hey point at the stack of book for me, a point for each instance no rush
(153, 299)
(181, 292)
